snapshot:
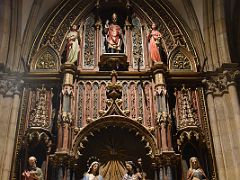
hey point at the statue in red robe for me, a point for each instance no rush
(154, 36)
(114, 36)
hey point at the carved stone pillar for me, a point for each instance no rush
(163, 119)
(98, 49)
(61, 159)
(167, 157)
(128, 43)
(215, 134)
(65, 121)
(10, 88)
(223, 109)
(231, 86)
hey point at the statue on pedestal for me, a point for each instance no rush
(72, 46)
(154, 36)
(195, 172)
(132, 173)
(114, 36)
(33, 172)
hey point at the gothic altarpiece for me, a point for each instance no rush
(74, 112)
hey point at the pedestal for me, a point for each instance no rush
(113, 61)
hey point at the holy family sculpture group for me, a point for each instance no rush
(133, 171)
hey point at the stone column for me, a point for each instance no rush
(128, 43)
(65, 121)
(234, 113)
(155, 171)
(215, 130)
(232, 90)
(98, 48)
(13, 95)
(161, 173)
(11, 136)
(163, 123)
(169, 173)
(163, 120)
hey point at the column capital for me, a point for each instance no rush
(230, 76)
(9, 87)
(218, 84)
(68, 68)
(159, 67)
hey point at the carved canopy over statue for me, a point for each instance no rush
(114, 36)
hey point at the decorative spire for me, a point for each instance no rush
(114, 98)
(114, 89)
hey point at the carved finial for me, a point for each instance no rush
(114, 76)
(114, 89)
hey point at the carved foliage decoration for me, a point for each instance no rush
(89, 45)
(148, 104)
(81, 90)
(10, 86)
(137, 46)
(181, 60)
(95, 100)
(136, 97)
(218, 84)
(40, 108)
(186, 108)
(125, 96)
(103, 97)
(132, 100)
(45, 59)
(140, 101)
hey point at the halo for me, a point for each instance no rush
(91, 159)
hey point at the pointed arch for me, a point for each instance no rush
(46, 59)
(181, 59)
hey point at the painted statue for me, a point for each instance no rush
(131, 173)
(72, 46)
(195, 172)
(33, 172)
(114, 36)
(154, 37)
(93, 172)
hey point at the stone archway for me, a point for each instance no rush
(114, 140)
